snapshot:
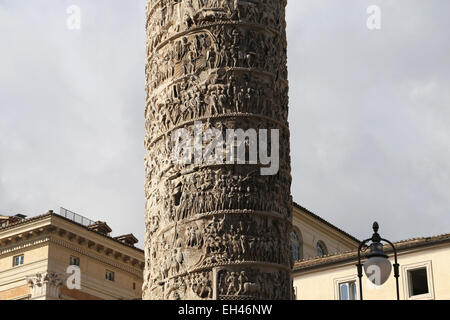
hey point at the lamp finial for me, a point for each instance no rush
(375, 227)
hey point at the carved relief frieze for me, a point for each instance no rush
(216, 230)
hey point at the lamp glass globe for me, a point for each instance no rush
(378, 270)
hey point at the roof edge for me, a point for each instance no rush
(53, 214)
(352, 255)
(315, 216)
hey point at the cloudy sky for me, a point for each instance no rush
(370, 112)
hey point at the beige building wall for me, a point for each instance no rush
(317, 282)
(31, 241)
(47, 244)
(93, 282)
(104, 255)
(13, 282)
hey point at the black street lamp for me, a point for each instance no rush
(377, 266)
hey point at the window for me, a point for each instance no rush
(347, 290)
(134, 285)
(18, 261)
(418, 281)
(297, 248)
(109, 275)
(74, 261)
(321, 249)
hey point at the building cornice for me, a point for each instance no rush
(98, 257)
(64, 231)
(30, 222)
(18, 246)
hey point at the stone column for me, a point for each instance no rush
(217, 229)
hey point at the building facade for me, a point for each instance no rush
(424, 274)
(52, 257)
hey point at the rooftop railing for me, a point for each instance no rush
(75, 217)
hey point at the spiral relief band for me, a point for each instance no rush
(216, 81)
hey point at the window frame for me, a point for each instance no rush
(427, 265)
(113, 279)
(299, 247)
(324, 248)
(21, 260)
(75, 258)
(343, 280)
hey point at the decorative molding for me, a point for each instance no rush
(45, 285)
(24, 244)
(81, 250)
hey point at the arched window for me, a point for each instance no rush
(297, 246)
(321, 249)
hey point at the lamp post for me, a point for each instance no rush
(377, 266)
